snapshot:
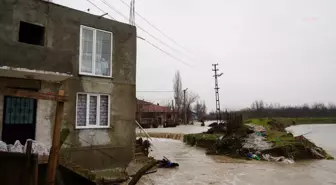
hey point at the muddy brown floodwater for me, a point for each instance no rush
(196, 168)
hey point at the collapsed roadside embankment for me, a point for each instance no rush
(266, 139)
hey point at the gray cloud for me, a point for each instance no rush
(280, 51)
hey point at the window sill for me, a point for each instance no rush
(28, 44)
(92, 127)
(93, 75)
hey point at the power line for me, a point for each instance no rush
(157, 29)
(100, 9)
(158, 39)
(172, 56)
(114, 9)
(165, 44)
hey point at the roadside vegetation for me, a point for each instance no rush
(293, 121)
(202, 139)
(286, 144)
(283, 144)
(301, 114)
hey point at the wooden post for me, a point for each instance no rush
(141, 172)
(36, 171)
(27, 176)
(54, 152)
(28, 153)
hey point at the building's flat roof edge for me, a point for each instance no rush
(35, 71)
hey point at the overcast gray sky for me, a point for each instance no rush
(280, 51)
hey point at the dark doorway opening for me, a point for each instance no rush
(19, 119)
(31, 33)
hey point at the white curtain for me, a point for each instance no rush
(104, 114)
(81, 109)
(93, 110)
(87, 50)
(103, 53)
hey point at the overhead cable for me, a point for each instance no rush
(157, 29)
(100, 9)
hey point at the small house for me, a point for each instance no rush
(153, 115)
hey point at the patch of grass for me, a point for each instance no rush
(201, 139)
(258, 121)
(285, 143)
(289, 121)
(202, 136)
(329, 157)
(279, 138)
(314, 120)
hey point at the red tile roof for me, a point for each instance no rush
(155, 108)
(143, 102)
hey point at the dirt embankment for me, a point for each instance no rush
(260, 140)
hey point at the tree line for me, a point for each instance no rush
(260, 109)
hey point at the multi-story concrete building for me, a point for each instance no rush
(45, 47)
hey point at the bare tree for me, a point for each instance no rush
(190, 99)
(178, 92)
(331, 105)
(204, 110)
(200, 110)
(258, 105)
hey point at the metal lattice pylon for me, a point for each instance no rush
(218, 114)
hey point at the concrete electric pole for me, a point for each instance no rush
(132, 15)
(218, 114)
(184, 106)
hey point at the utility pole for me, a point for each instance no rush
(218, 115)
(132, 15)
(184, 106)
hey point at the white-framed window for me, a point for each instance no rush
(92, 110)
(95, 56)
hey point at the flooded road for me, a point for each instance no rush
(199, 169)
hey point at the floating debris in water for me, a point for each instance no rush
(282, 159)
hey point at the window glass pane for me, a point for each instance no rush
(19, 110)
(103, 53)
(93, 110)
(81, 109)
(104, 110)
(87, 50)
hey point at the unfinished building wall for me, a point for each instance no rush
(59, 52)
(45, 114)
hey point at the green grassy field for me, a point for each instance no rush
(289, 121)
